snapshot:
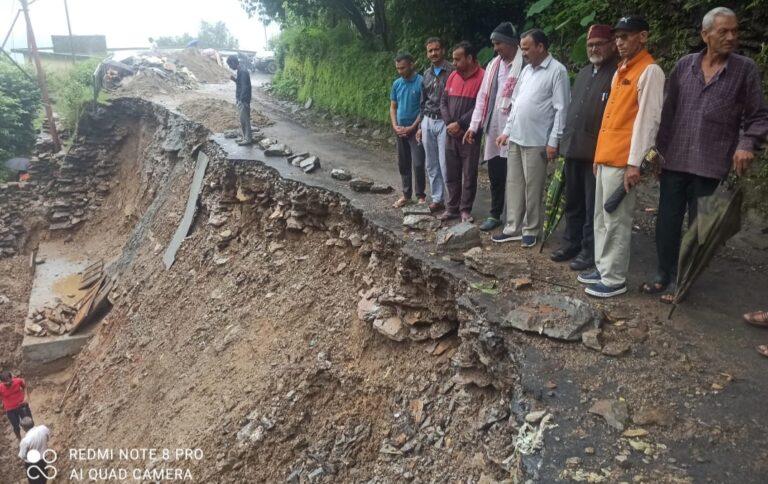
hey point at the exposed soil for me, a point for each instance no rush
(219, 115)
(205, 69)
(251, 350)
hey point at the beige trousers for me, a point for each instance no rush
(613, 231)
(526, 176)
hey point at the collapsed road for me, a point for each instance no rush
(304, 334)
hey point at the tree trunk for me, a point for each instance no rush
(355, 15)
(382, 27)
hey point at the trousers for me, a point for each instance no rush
(433, 139)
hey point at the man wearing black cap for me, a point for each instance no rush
(491, 111)
(628, 131)
(589, 96)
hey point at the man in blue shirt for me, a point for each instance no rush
(404, 115)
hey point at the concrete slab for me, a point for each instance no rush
(37, 353)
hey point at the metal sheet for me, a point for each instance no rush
(169, 257)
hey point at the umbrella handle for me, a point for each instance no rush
(672, 311)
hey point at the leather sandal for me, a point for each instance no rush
(757, 318)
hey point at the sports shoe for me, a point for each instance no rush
(589, 277)
(489, 224)
(601, 290)
(528, 241)
(502, 237)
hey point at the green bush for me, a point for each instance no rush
(72, 93)
(19, 105)
(338, 71)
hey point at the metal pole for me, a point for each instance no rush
(69, 28)
(41, 78)
(26, 74)
(10, 31)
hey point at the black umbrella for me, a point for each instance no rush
(17, 164)
(718, 219)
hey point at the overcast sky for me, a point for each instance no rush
(128, 23)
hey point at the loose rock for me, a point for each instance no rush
(461, 236)
(361, 184)
(615, 412)
(339, 174)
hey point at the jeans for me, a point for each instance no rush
(433, 139)
(15, 416)
(244, 110)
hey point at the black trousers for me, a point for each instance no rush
(15, 416)
(410, 163)
(678, 192)
(579, 208)
(497, 175)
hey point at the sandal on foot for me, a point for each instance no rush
(657, 285)
(763, 350)
(669, 294)
(757, 318)
(401, 202)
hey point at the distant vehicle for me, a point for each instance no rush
(265, 61)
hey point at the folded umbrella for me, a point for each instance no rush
(651, 163)
(555, 202)
(718, 219)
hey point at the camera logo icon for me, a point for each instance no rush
(42, 464)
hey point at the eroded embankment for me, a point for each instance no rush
(264, 345)
(250, 347)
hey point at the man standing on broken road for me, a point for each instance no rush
(628, 130)
(714, 119)
(461, 159)
(243, 98)
(13, 392)
(404, 98)
(431, 131)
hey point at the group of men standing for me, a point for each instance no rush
(711, 121)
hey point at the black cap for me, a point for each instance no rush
(632, 23)
(505, 32)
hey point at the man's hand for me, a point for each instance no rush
(233, 78)
(631, 177)
(551, 153)
(741, 161)
(418, 136)
(502, 140)
(469, 137)
(453, 129)
(400, 131)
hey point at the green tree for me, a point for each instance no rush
(216, 35)
(169, 42)
(19, 106)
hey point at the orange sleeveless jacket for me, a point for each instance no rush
(615, 138)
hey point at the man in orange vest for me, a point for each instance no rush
(629, 127)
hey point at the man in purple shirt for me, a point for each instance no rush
(713, 120)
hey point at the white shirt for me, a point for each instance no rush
(36, 438)
(498, 119)
(650, 98)
(539, 104)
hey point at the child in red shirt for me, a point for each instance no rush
(13, 392)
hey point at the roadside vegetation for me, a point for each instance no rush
(19, 105)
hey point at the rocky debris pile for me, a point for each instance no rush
(53, 320)
(138, 73)
(308, 163)
(85, 175)
(15, 199)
